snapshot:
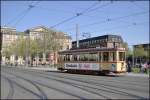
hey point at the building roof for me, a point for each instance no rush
(6, 30)
(100, 37)
(142, 44)
(37, 28)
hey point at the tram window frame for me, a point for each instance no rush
(83, 57)
(100, 57)
(67, 57)
(106, 59)
(112, 57)
(93, 56)
(61, 58)
(121, 56)
(75, 57)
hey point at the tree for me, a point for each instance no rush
(129, 51)
(49, 41)
(139, 53)
(6, 52)
(52, 41)
(21, 45)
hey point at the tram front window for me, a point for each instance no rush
(121, 56)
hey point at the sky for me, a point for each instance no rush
(129, 19)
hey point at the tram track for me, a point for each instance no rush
(42, 93)
(116, 80)
(11, 87)
(104, 80)
(89, 81)
(77, 85)
(24, 88)
(96, 84)
(99, 84)
(49, 87)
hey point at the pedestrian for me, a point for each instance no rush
(140, 66)
(145, 67)
(129, 66)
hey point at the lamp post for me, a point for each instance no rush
(1, 36)
(37, 60)
(133, 57)
(27, 47)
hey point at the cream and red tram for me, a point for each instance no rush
(103, 60)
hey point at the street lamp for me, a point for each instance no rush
(1, 35)
(27, 32)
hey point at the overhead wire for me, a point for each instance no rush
(116, 18)
(78, 14)
(110, 20)
(99, 7)
(67, 12)
(119, 27)
(68, 19)
(29, 9)
(123, 26)
(15, 17)
(22, 14)
(12, 20)
(88, 9)
(139, 6)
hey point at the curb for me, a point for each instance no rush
(137, 75)
(35, 68)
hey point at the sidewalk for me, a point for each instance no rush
(137, 74)
(48, 68)
(43, 68)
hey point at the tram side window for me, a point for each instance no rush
(83, 57)
(105, 56)
(67, 57)
(93, 57)
(112, 56)
(121, 56)
(64, 58)
(75, 57)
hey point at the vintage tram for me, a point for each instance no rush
(100, 60)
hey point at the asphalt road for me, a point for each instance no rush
(17, 83)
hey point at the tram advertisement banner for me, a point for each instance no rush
(82, 66)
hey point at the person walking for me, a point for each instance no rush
(145, 67)
(140, 66)
(129, 66)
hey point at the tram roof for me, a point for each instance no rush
(92, 50)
